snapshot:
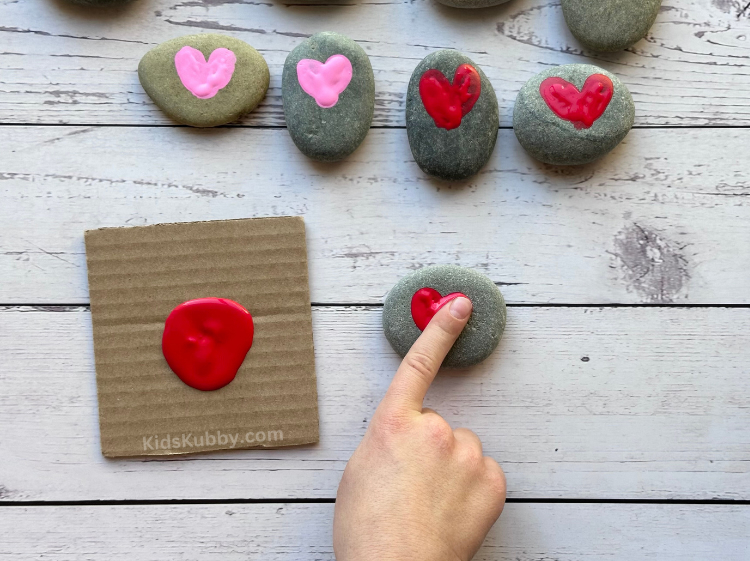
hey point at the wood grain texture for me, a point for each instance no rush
(663, 219)
(600, 403)
(74, 65)
(290, 532)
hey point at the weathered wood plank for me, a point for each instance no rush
(663, 219)
(575, 403)
(290, 532)
(67, 64)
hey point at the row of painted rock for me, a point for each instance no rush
(327, 85)
(601, 25)
(566, 115)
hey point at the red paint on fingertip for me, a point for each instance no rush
(426, 302)
(583, 107)
(206, 340)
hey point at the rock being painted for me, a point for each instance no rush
(417, 297)
(328, 89)
(452, 116)
(204, 80)
(610, 25)
(572, 114)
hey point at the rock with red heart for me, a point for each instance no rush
(452, 116)
(416, 298)
(572, 114)
(204, 80)
(610, 25)
(328, 89)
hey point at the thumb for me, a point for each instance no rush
(422, 362)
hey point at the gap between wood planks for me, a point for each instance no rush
(280, 127)
(64, 307)
(144, 502)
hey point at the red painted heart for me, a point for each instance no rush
(426, 302)
(447, 103)
(583, 107)
(205, 341)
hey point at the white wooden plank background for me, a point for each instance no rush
(657, 412)
(66, 64)
(655, 222)
(576, 402)
(291, 532)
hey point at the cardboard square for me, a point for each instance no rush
(138, 275)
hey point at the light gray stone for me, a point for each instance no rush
(610, 25)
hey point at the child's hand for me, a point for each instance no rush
(416, 490)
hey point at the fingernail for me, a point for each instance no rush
(461, 308)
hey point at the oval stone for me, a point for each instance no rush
(486, 324)
(572, 114)
(472, 3)
(452, 116)
(610, 25)
(328, 90)
(204, 80)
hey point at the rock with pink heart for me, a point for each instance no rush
(415, 299)
(328, 89)
(204, 80)
(572, 114)
(452, 116)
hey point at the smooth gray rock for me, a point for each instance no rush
(246, 89)
(460, 152)
(486, 324)
(610, 25)
(329, 133)
(554, 140)
(472, 3)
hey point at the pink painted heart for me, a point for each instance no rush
(204, 78)
(325, 81)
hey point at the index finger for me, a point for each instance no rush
(422, 362)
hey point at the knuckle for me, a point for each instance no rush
(470, 456)
(438, 432)
(420, 363)
(387, 426)
(496, 478)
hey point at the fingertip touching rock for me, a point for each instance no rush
(403, 310)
